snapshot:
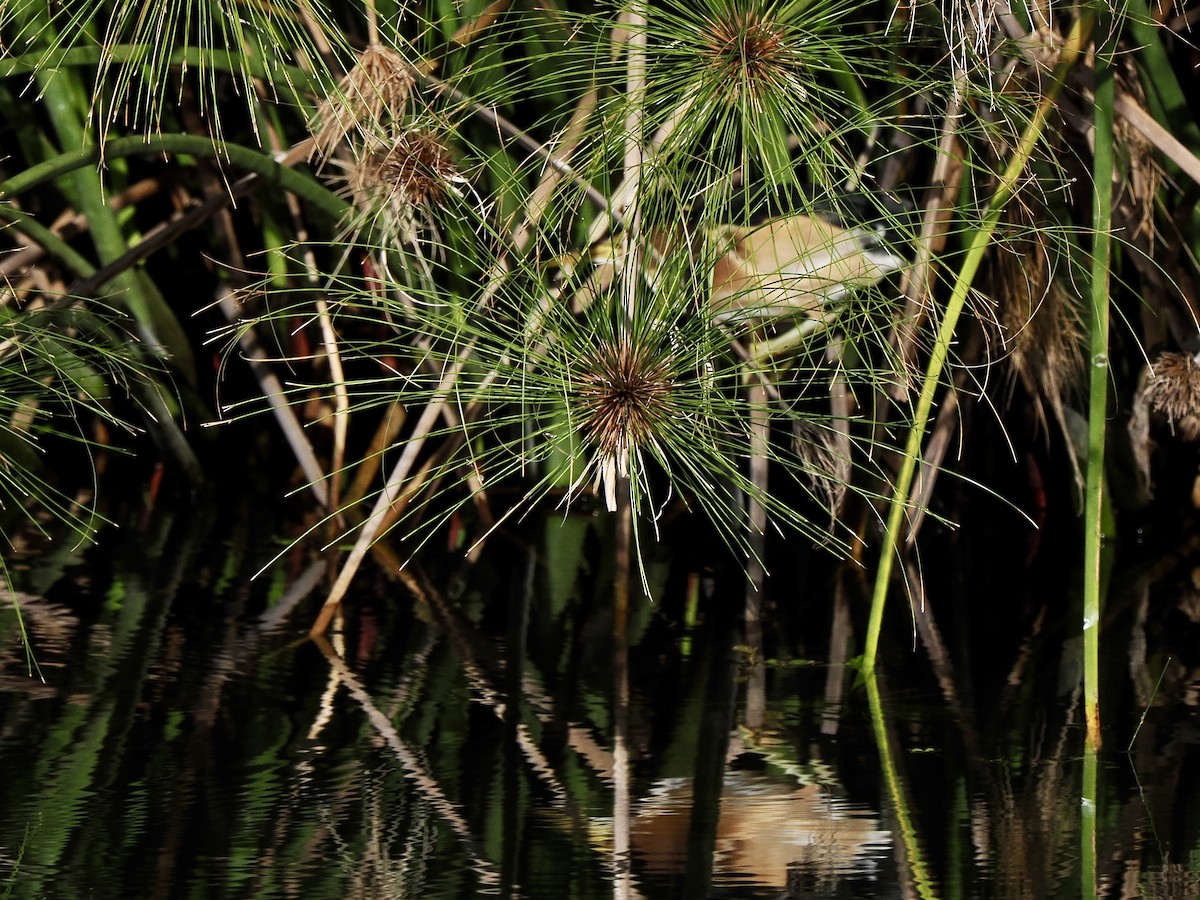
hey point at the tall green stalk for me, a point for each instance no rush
(1102, 175)
(65, 100)
(976, 246)
(300, 183)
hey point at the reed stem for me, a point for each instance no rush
(1098, 369)
(977, 244)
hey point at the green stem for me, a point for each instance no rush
(54, 245)
(1102, 175)
(66, 102)
(187, 57)
(303, 185)
(977, 244)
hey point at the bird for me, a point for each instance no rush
(793, 265)
(787, 266)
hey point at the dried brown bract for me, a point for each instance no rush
(1173, 389)
(826, 464)
(1040, 320)
(394, 185)
(1143, 174)
(371, 94)
(418, 168)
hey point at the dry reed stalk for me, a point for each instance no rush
(827, 455)
(918, 280)
(756, 521)
(437, 406)
(627, 190)
(618, 421)
(272, 389)
(931, 462)
(389, 427)
(332, 351)
(543, 193)
(70, 223)
(467, 32)
(1166, 143)
(341, 414)
(375, 520)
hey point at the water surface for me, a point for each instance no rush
(453, 738)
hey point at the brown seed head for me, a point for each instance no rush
(371, 94)
(624, 392)
(1174, 390)
(749, 53)
(417, 166)
(398, 185)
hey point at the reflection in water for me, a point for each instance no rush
(769, 829)
(188, 741)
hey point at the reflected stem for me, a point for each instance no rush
(621, 859)
(412, 762)
(919, 872)
(1087, 826)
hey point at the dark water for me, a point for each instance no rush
(454, 739)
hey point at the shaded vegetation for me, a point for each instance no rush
(810, 272)
(548, 252)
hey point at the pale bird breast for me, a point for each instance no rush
(789, 266)
(793, 265)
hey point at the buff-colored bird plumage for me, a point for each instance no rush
(788, 266)
(793, 265)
